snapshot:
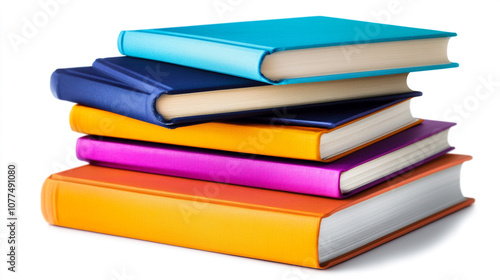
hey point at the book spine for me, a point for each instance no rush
(224, 168)
(241, 61)
(96, 92)
(279, 141)
(193, 222)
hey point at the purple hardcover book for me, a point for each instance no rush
(344, 177)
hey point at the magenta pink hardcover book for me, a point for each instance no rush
(410, 148)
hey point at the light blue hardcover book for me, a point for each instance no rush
(294, 50)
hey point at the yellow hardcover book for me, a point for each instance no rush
(251, 222)
(300, 142)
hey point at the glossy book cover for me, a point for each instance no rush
(131, 87)
(256, 171)
(250, 222)
(239, 48)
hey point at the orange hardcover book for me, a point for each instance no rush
(300, 142)
(277, 226)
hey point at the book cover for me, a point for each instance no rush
(91, 87)
(239, 48)
(305, 177)
(271, 139)
(331, 115)
(133, 87)
(250, 222)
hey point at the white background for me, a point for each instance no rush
(35, 134)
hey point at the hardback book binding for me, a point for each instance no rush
(265, 224)
(293, 50)
(271, 139)
(365, 168)
(171, 95)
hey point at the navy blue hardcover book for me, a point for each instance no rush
(345, 112)
(171, 95)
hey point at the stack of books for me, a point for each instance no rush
(287, 140)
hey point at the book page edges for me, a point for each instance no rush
(434, 166)
(398, 233)
(353, 75)
(318, 157)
